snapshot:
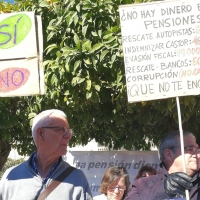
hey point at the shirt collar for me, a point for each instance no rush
(34, 165)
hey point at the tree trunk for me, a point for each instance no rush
(5, 149)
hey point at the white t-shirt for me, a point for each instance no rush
(100, 197)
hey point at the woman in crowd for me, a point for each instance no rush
(114, 185)
(145, 171)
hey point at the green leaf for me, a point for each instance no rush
(78, 7)
(51, 47)
(70, 18)
(51, 28)
(67, 64)
(97, 88)
(53, 94)
(87, 7)
(115, 29)
(76, 64)
(99, 33)
(103, 54)
(113, 58)
(31, 115)
(107, 34)
(54, 79)
(87, 45)
(67, 92)
(87, 61)
(95, 97)
(94, 33)
(77, 80)
(76, 39)
(58, 54)
(97, 46)
(76, 19)
(89, 83)
(67, 48)
(84, 30)
(59, 20)
(119, 77)
(44, 3)
(50, 35)
(88, 95)
(109, 40)
(47, 62)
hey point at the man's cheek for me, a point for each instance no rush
(199, 162)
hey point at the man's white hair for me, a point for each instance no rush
(44, 119)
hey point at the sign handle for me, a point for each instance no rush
(181, 142)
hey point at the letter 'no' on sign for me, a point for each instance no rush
(13, 30)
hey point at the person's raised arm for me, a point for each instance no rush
(176, 184)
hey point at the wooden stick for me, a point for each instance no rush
(181, 142)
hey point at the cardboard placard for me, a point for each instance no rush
(161, 46)
(21, 50)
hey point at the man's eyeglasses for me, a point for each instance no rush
(120, 188)
(192, 149)
(61, 129)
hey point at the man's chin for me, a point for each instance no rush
(63, 151)
(193, 171)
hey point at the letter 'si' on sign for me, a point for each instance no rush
(21, 49)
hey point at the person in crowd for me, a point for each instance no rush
(37, 177)
(157, 187)
(145, 171)
(114, 185)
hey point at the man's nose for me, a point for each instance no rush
(67, 135)
(116, 190)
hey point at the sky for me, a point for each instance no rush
(11, 1)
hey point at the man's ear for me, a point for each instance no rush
(169, 155)
(40, 133)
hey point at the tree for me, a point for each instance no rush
(10, 162)
(84, 76)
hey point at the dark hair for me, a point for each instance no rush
(145, 168)
(111, 175)
(170, 141)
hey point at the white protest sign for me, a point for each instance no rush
(95, 163)
(161, 46)
(21, 48)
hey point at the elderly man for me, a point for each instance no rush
(38, 177)
(152, 187)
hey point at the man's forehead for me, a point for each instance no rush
(57, 119)
(189, 140)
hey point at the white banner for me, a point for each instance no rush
(95, 163)
(161, 46)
